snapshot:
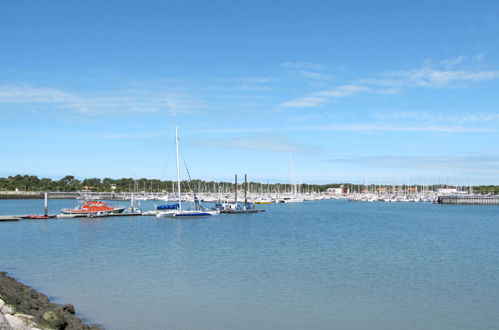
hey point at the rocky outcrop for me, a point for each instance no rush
(22, 308)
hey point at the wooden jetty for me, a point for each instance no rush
(469, 199)
(72, 216)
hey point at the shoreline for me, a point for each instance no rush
(23, 308)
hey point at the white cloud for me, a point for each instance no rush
(129, 135)
(434, 78)
(361, 127)
(468, 164)
(436, 75)
(431, 118)
(319, 98)
(304, 102)
(120, 102)
(439, 75)
(315, 75)
(344, 90)
(258, 143)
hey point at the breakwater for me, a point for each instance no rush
(469, 200)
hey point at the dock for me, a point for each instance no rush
(72, 216)
(469, 200)
(5, 218)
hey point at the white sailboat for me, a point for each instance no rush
(179, 212)
(294, 198)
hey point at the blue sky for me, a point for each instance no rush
(390, 91)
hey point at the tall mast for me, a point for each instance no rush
(178, 169)
(235, 190)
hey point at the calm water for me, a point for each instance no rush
(313, 265)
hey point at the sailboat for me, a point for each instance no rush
(294, 198)
(178, 211)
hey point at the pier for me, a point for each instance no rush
(469, 200)
(9, 218)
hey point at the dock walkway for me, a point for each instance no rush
(469, 200)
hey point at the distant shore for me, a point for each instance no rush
(36, 195)
(23, 308)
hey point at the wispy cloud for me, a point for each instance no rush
(344, 90)
(361, 127)
(435, 75)
(432, 117)
(467, 164)
(443, 74)
(118, 102)
(433, 78)
(321, 97)
(128, 135)
(269, 143)
(303, 102)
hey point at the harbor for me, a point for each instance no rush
(330, 250)
(241, 203)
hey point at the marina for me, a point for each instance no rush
(238, 204)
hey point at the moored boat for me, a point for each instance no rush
(91, 207)
(176, 210)
(36, 216)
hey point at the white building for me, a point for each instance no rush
(335, 191)
(447, 191)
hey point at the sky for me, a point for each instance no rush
(349, 91)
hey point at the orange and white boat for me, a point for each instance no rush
(93, 207)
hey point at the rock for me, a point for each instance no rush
(54, 320)
(7, 310)
(50, 316)
(68, 308)
(24, 316)
(4, 325)
(2, 303)
(16, 323)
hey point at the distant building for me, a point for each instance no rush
(335, 191)
(447, 191)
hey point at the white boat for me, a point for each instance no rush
(293, 200)
(179, 212)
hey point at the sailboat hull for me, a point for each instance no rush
(193, 213)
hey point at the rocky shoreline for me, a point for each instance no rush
(23, 308)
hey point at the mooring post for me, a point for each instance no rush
(132, 208)
(245, 189)
(46, 204)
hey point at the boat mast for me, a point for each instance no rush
(178, 169)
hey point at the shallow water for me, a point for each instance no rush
(313, 265)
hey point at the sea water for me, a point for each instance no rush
(316, 265)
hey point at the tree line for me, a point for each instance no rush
(70, 184)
